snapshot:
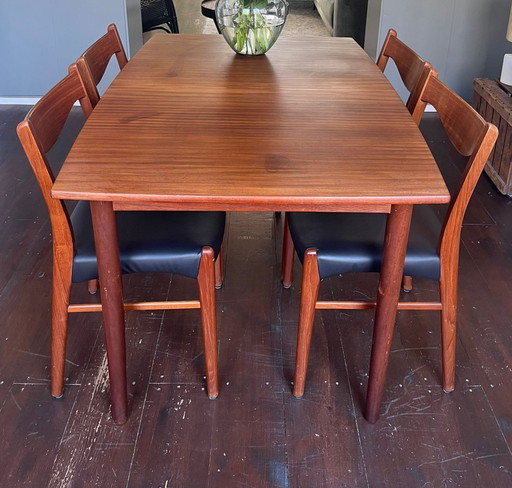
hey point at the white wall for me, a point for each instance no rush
(463, 39)
(39, 39)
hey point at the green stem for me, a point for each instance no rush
(251, 31)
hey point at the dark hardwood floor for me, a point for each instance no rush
(256, 434)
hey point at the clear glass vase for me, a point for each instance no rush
(251, 27)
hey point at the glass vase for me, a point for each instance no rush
(251, 27)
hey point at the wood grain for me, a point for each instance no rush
(312, 125)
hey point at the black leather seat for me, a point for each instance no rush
(348, 243)
(165, 242)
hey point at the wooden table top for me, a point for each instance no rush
(312, 125)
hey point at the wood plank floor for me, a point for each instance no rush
(256, 434)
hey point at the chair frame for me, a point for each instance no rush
(38, 133)
(172, 23)
(473, 137)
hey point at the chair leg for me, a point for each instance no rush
(219, 269)
(448, 288)
(287, 256)
(60, 300)
(206, 285)
(92, 287)
(407, 283)
(308, 297)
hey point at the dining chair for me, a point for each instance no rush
(93, 63)
(330, 244)
(414, 72)
(184, 243)
(156, 13)
(91, 66)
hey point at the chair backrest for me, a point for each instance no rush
(39, 132)
(413, 70)
(472, 137)
(93, 63)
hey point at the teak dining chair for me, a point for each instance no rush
(93, 63)
(413, 70)
(414, 73)
(331, 244)
(91, 66)
(184, 243)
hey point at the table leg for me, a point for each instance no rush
(395, 245)
(107, 251)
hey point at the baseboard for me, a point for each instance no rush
(19, 100)
(24, 101)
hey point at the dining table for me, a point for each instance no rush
(312, 125)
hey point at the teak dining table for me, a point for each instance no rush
(313, 125)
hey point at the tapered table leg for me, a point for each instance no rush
(395, 245)
(107, 251)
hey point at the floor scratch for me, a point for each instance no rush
(443, 461)
(14, 400)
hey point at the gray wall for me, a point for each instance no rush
(463, 39)
(39, 39)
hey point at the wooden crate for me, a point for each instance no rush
(495, 106)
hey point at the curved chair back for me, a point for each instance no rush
(93, 63)
(471, 136)
(38, 134)
(413, 70)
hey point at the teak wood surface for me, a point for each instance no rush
(313, 125)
